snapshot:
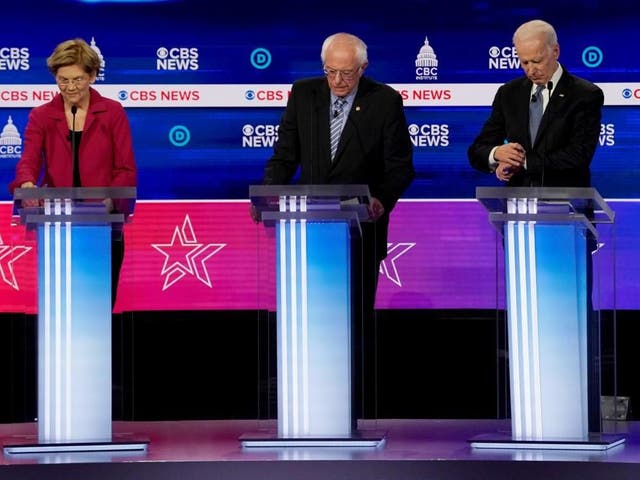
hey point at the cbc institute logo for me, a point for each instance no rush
(426, 62)
(10, 141)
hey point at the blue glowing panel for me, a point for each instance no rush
(314, 324)
(74, 333)
(547, 317)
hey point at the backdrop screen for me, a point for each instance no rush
(204, 88)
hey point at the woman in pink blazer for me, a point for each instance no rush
(79, 138)
(78, 116)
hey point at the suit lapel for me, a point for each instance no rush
(354, 118)
(555, 104)
(320, 105)
(524, 99)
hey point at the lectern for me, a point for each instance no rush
(73, 232)
(313, 226)
(546, 234)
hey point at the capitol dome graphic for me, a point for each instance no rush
(96, 49)
(426, 57)
(10, 134)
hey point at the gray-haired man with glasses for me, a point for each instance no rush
(345, 128)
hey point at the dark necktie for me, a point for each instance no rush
(336, 124)
(535, 112)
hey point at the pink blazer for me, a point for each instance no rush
(105, 151)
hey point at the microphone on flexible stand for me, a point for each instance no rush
(313, 123)
(544, 149)
(74, 157)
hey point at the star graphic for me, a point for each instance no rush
(185, 255)
(394, 252)
(8, 255)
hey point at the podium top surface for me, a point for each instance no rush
(313, 193)
(83, 205)
(74, 193)
(549, 199)
(321, 202)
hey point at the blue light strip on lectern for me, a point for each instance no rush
(313, 324)
(304, 318)
(523, 325)
(294, 321)
(74, 327)
(546, 285)
(535, 327)
(56, 285)
(283, 322)
(68, 322)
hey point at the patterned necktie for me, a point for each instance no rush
(336, 124)
(535, 112)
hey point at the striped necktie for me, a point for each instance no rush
(535, 112)
(337, 117)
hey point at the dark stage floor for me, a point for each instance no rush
(413, 449)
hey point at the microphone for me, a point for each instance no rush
(544, 149)
(534, 99)
(74, 153)
(313, 123)
(336, 113)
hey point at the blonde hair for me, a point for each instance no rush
(74, 52)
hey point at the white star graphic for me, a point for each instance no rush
(184, 255)
(399, 249)
(8, 255)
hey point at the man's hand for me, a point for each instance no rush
(376, 209)
(511, 154)
(253, 213)
(504, 171)
(510, 158)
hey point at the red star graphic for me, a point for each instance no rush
(185, 256)
(8, 255)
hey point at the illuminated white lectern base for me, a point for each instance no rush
(74, 330)
(547, 310)
(313, 265)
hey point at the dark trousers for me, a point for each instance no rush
(593, 346)
(117, 256)
(365, 268)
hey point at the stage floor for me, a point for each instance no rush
(413, 449)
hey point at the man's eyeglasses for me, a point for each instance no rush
(76, 82)
(344, 74)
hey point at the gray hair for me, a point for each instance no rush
(345, 38)
(534, 28)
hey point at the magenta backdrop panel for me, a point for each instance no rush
(209, 255)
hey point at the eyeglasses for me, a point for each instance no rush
(344, 74)
(76, 82)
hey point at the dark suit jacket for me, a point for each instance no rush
(375, 148)
(567, 136)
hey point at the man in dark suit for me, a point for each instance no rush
(567, 136)
(372, 147)
(556, 152)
